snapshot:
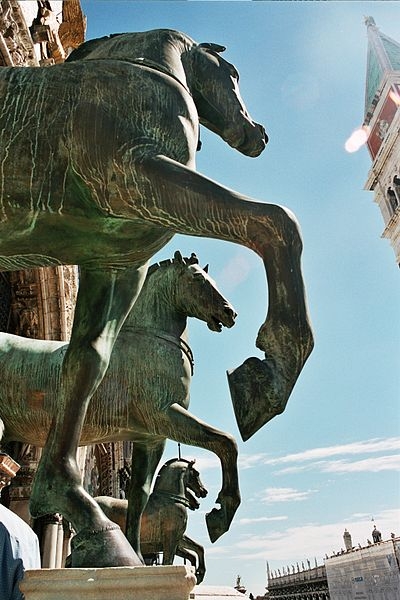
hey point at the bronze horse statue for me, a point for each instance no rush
(97, 169)
(164, 520)
(134, 402)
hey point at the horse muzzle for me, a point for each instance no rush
(226, 318)
(253, 141)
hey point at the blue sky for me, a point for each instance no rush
(331, 460)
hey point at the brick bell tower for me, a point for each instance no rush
(382, 118)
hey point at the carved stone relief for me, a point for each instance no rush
(16, 46)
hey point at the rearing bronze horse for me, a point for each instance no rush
(97, 168)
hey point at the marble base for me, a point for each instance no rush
(112, 583)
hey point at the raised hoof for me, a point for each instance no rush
(106, 547)
(200, 576)
(258, 394)
(216, 524)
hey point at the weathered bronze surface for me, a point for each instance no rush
(164, 519)
(144, 396)
(103, 179)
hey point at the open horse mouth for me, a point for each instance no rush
(190, 494)
(226, 320)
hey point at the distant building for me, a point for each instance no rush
(298, 584)
(216, 592)
(371, 573)
(368, 573)
(382, 120)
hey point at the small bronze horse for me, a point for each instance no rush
(164, 520)
(137, 402)
(103, 178)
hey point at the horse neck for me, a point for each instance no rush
(161, 47)
(156, 308)
(171, 480)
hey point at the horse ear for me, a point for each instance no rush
(178, 257)
(213, 47)
(205, 269)
(193, 260)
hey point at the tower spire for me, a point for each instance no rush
(383, 58)
(382, 119)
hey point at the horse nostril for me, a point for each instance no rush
(264, 133)
(231, 313)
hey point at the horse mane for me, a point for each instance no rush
(177, 459)
(177, 259)
(90, 46)
(87, 47)
(171, 461)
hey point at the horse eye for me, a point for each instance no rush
(199, 277)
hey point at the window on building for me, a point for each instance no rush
(393, 199)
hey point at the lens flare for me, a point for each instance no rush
(357, 139)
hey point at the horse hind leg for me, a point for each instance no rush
(194, 552)
(104, 299)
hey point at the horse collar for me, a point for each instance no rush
(146, 62)
(174, 497)
(161, 335)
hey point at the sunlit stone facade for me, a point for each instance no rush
(382, 117)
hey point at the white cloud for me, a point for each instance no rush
(206, 462)
(317, 459)
(283, 494)
(247, 461)
(367, 465)
(363, 447)
(371, 465)
(245, 521)
(315, 539)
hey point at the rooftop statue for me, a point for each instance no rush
(103, 178)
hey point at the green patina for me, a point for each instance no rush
(97, 169)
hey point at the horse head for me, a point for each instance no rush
(212, 81)
(179, 478)
(193, 484)
(214, 84)
(199, 296)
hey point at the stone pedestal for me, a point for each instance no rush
(116, 583)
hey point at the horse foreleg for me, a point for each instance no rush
(145, 459)
(189, 549)
(186, 202)
(104, 300)
(180, 425)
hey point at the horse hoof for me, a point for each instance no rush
(216, 524)
(259, 393)
(106, 547)
(199, 577)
